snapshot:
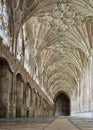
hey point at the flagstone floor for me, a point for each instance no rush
(47, 123)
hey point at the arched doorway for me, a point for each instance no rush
(19, 94)
(62, 105)
(5, 86)
(27, 98)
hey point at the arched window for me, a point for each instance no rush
(1, 19)
(19, 46)
(4, 31)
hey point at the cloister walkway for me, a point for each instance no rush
(47, 123)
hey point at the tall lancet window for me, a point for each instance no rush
(4, 31)
(1, 19)
(19, 46)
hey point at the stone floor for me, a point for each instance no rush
(47, 123)
(82, 123)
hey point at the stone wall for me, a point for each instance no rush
(82, 99)
(20, 96)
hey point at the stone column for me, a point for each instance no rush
(28, 105)
(31, 104)
(50, 110)
(42, 107)
(78, 95)
(21, 102)
(34, 101)
(38, 105)
(12, 107)
(8, 81)
(81, 97)
(91, 78)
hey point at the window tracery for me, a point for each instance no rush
(4, 30)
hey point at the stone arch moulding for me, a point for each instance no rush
(11, 68)
(59, 92)
(18, 73)
(27, 83)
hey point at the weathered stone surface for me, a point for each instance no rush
(47, 44)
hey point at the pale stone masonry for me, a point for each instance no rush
(46, 58)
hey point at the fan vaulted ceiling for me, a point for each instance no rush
(61, 38)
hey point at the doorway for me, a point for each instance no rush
(62, 105)
(19, 94)
(5, 83)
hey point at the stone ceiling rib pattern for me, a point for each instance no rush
(61, 37)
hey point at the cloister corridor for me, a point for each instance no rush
(46, 64)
